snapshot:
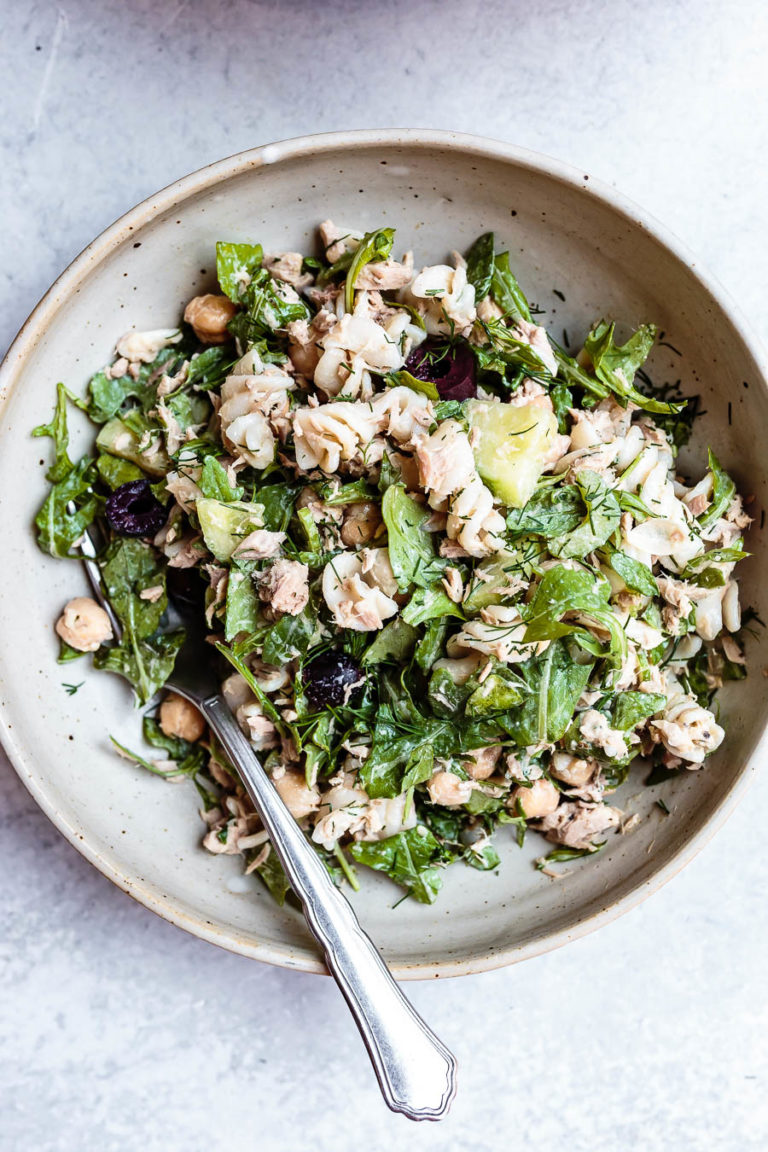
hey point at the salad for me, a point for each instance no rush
(450, 566)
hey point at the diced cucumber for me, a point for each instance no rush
(119, 440)
(512, 447)
(224, 526)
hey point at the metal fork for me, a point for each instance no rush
(416, 1072)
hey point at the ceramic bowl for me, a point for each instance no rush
(580, 251)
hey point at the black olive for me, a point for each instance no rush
(450, 367)
(132, 510)
(328, 678)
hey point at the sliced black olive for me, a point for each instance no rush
(450, 367)
(327, 680)
(132, 510)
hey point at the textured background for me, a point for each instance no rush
(118, 1032)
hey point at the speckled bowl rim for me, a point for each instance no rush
(12, 368)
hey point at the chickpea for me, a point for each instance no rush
(482, 761)
(300, 800)
(84, 625)
(539, 800)
(571, 770)
(361, 523)
(209, 316)
(179, 718)
(448, 789)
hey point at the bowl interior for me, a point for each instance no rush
(578, 258)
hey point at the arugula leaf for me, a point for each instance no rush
(562, 402)
(411, 551)
(425, 387)
(278, 501)
(145, 662)
(480, 265)
(483, 857)
(452, 410)
(243, 607)
(214, 482)
(631, 708)
(129, 567)
(554, 511)
(431, 644)
(602, 519)
(615, 365)
(555, 682)
(428, 603)
(409, 858)
(236, 266)
(290, 637)
(506, 291)
(58, 430)
(57, 530)
(635, 575)
(446, 697)
(723, 492)
(421, 765)
(356, 492)
(210, 368)
(374, 246)
(115, 471)
(394, 642)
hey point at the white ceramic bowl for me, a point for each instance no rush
(565, 233)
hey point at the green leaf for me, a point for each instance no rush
(615, 365)
(215, 484)
(356, 492)
(129, 568)
(555, 682)
(115, 471)
(374, 246)
(480, 265)
(723, 492)
(426, 387)
(145, 663)
(446, 697)
(635, 575)
(394, 642)
(278, 501)
(243, 607)
(236, 265)
(601, 521)
(506, 291)
(58, 430)
(430, 647)
(57, 530)
(550, 512)
(290, 637)
(407, 858)
(562, 590)
(209, 369)
(429, 603)
(631, 708)
(420, 767)
(411, 550)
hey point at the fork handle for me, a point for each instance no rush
(416, 1072)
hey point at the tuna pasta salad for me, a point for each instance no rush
(455, 578)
